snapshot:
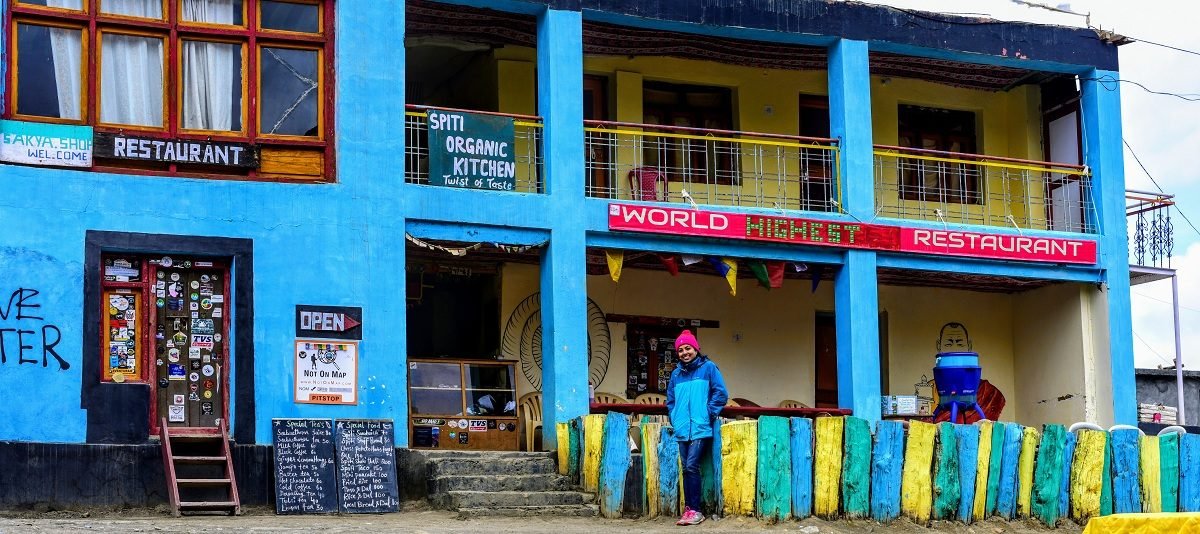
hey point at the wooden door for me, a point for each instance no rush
(190, 344)
(826, 361)
(599, 146)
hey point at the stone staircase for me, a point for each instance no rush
(512, 484)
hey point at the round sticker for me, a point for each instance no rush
(207, 394)
(174, 277)
(173, 355)
(207, 370)
(206, 304)
(217, 338)
(208, 384)
(195, 284)
(453, 423)
(462, 423)
(187, 264)
(161, 275)
(194, 387)
(166, 261)
(500, 426)
(160, 362)
(195, 296)
(204, 278)
(194, 377)
(118, 377)
(160, 303)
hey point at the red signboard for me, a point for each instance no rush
(702, 223)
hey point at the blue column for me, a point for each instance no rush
(856, 289)
(563, 273)
(1105, 158)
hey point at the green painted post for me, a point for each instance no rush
(947, 487)
(856, 468)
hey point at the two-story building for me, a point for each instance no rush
(828, 193)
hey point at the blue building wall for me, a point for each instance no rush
(343, 243)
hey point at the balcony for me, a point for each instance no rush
(709, 167)
(527, 147)
(1151, 235)
(951, 187)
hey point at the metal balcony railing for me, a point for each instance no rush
(973, 189)
(527, 147)
(633, 161)
(1152, 235)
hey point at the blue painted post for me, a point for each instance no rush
(968, 457)
(1101, 107)
(668, 474)
(1126, 477)
(1006, 501)
(886, 467)
(563, 272)
(1064, 495)
(802, 467)
(712, 499)
(614, 464)
(855, 286)
(1189, 473)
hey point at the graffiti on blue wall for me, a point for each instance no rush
(25, 335)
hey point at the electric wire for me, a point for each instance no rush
(1156, 299)
(1160, 189)
(1155, 352)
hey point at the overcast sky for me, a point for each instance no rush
(1165, 132)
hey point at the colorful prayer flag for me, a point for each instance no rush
(760, 272)
(616, 259)
(669, 262)
(775, 274)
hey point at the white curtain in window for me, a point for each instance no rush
(208, 70)
(66, 47)
(133, 8)
(131, 80)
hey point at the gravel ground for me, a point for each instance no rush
(426, 521)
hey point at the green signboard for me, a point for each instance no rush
(471, 150)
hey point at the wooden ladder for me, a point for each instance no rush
(202, 454)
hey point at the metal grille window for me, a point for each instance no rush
(256, 71)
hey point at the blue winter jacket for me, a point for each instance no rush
(695, 395)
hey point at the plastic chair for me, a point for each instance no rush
(792, 404)
(646, 183)
(531, 417)
(650, 398)
(608, 398)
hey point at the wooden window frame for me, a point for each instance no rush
(971, 190)
(725, 168)
(174, 30)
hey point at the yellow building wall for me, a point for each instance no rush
(1050, 347)
(764, 346)
(916, 316)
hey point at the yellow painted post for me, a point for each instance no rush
(983, 460)
(1150, 470)
(1029, 446)
(739, 465)
(1087, 475)
(563, 432)
(916, 485)
(827, 466)
(651, 435)
(593, 436)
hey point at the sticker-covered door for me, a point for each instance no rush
(190, 343)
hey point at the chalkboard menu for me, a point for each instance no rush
(305, 474)
(366, 461)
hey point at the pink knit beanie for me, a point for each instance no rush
(686, 338)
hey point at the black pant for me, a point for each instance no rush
(690, 453)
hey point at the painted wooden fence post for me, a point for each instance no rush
(886, 467)
(1127, 497)
(1029, 447)
(710, 472)
(827, 463)
(968, 458)
(774, 485)
(669, 473)
(983, 465)
(856, 469)
(614, 464)
(1064, 493)
(1168, 450)
(1189, 473)
(563, 435)
(916, 486)
(633, 499)
(1048, 475)
(1106, 487)
(1006, 499)
(593, 437)
(1087, 474)
(947, 489)
(739, 460)
(1150, 463)
(651, 436)
(802, 467)
(999, 433)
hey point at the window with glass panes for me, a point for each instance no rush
(255, 71)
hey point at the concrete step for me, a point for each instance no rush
(434, 454)
(540, 482)
(483, 465)
(566, 510)
(453, 500)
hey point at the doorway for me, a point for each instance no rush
(599, 145)
(826, 394)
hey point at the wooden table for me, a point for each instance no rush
(728, 411)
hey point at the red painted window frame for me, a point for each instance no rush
(93, 22)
